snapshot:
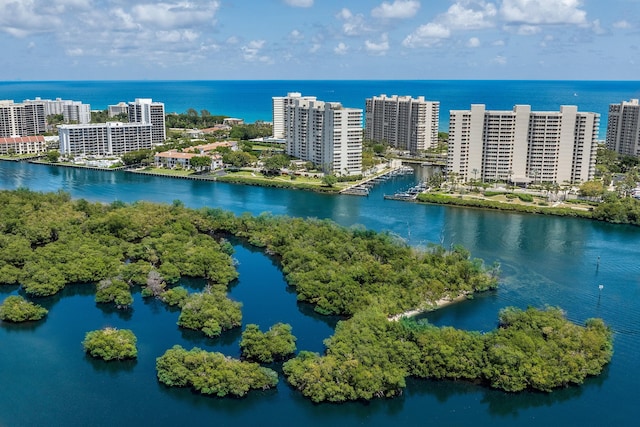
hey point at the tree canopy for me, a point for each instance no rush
(265, 347)
(212, 373)
(369, 356)
(17, 309)
(210, 311)
(111, 343)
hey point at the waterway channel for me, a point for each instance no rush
(47, 380)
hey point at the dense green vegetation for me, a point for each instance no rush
(48, 241)
(191, 119)
(212, 373)
(210, 311)
(342, 271)
(369, 356)
(114, 290)
(265, 347)
(111, 344)
(17, 309)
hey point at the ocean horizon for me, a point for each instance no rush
(251, 99)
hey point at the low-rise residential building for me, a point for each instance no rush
(521, 145)
(23, 145)
(182, 159)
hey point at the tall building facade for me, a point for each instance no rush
(20, 119)
(324, 133)
(72, 111)
(522, 145)
(112, 138)
(403, 122)
(76, 112)
(145, 111)
(279, 107)
(623, 128)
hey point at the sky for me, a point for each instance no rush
(319, 39)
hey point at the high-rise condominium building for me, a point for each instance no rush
(326, 134)
(522, 145)
(623, 128)
(112, 138)
(144, 110)
(21, 119)
(280, 104)
(72, 111)
(402, 121)
(76, 112)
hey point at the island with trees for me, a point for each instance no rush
(17, 309)
(374, 280)
(111, 344)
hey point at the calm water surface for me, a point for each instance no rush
(47, 380)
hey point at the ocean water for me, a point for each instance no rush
(251, 99)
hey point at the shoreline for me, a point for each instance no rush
(441, 303)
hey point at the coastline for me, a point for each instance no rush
(442, 302)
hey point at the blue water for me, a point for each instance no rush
(47, 380)
(251, 100)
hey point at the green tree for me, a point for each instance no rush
(277, 343)
(210, 312)
(200, 162)
(592, 189)
(329, 180)
(212, 373)
(111, 344)
(17, 309)
(114, 290)
(276, 162)
(52, 156)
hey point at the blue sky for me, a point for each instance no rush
(319, 39)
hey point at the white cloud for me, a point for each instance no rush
(380, 48)
(525, 30)
(537, 12)
(500, 60)
(315, 47)
(498, 43)
(296, 35)
(427, 35)
(473, 42)
(354, 24)
(75, 52)
(252, 51)
(341, 49)
(622, 25)
(399, 9)
(469, 15)
(176, 15)
(299, 3)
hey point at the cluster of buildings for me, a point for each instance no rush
(518, 145)
(145, 128)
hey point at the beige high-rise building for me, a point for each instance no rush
(521, 145)
(145, 111)
(19, 119)
(623, 128)
(403, 122)
(280, 104)
(324, 133)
